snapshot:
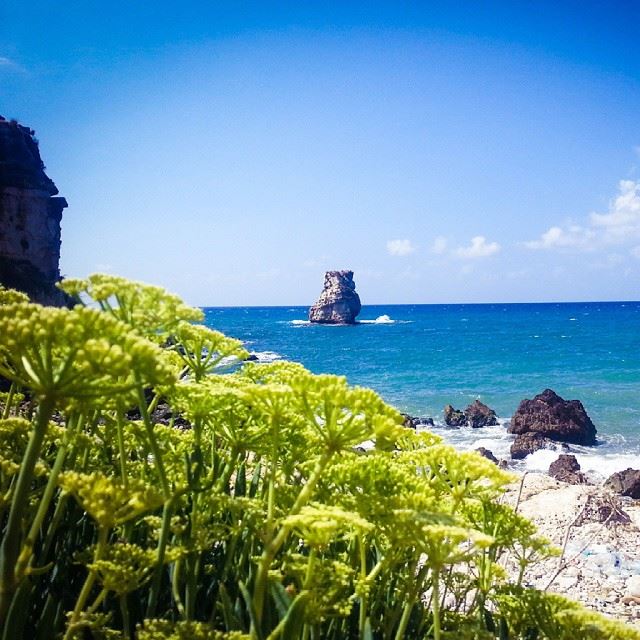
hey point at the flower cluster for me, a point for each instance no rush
(286, 505)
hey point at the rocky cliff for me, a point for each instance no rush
(338, 303)
(30, 215)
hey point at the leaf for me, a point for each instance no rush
(231, 620)
(250, 609)
(295, 617)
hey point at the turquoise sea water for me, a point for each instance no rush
(421, 357)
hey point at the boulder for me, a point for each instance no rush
(486, 453)
(626, 483)
(552, 417)
(338, 303)
(413, 422)
(567, 469)
(479, 415)
(454, 417)
(527, 443)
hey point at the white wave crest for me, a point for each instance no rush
(383, 319)
(266, 356)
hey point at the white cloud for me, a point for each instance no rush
(439, 246)
(557, 237)
(11, 65)
(619, 225)
(479, 248)
(623, 218)
(400, 247)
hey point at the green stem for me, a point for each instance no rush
(436, 604)
(43, 508)
(7, 407)
(103, 532)
(272, 548)
(153, 443)
(156, 581)
(124, 612)
(11, 542)
(121, 450)
(362, 617)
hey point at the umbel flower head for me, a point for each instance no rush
(75, 353)
(108, 501)
(151, 311)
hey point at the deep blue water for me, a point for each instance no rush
(431, 355)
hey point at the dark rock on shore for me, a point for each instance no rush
(413, 422)
(527, 443)
(567, 469)
(488, 454)
(550, 416)
(626, 483)
(454, 417)
(338, 303)
(479, 415)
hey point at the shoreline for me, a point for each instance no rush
(600, 534)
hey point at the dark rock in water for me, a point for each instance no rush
(486, 453)
(413, 422)
(479, 415)
(626, 483)
(252, 357)
(567, 469)
(338, 303)
(454, 417)
(30, 218)
(527, 443)
(550, 416)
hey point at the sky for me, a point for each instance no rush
(232, 152)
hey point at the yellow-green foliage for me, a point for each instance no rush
(291, 505)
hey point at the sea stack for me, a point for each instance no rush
(30, 217)
(338, 303)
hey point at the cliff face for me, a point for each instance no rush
(338, 303)
(30, 216)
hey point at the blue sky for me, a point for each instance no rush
(469, 152)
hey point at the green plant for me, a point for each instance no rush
(264, 519)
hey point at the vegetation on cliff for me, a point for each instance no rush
(265, 519)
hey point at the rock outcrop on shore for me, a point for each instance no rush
(625, 483)
(338, 303)
(567, 469)
(547, 418)
(30, 216)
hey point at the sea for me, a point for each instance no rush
(420, 358)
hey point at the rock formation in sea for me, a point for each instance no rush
(549, 417)
(476, 415)
(566, 468)
(414, 422)
(30, 215)
(338, 303)
(454, 417)
(479, 415)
